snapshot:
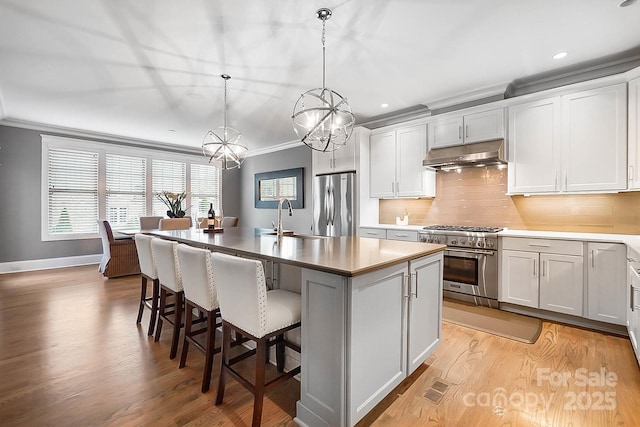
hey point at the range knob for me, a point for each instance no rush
(489, 243)
(436, 240)
(454, 242)
(463, 242)
(480, 243)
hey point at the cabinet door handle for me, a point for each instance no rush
(593, 258)
(393, 187)
(466, 131)
(372, 233)
(407, 295)
(397, 188)
(631, 174)
(566, 179)
(534, 268)
(631, 298)
(415, 281)
(459, 132)
(555, 180)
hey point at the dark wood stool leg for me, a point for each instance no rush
(154, 306)
(161, 310)
(259, 384)
(143, 296)
(224, 362)
(211, 344)
(177, 323)
(188, 319)
(280, 352)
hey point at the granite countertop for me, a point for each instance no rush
(346, 256)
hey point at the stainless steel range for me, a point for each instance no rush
(470, 261)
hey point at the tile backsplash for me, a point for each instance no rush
(476, 196)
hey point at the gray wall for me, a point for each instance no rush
(296, 157)
(20, 176)
(21, 158)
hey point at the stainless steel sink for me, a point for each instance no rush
(292, 234)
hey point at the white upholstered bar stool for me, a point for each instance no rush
(199, 293)
(170, 277)
(248, 308)
(149, 272)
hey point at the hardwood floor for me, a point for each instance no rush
(72, 355)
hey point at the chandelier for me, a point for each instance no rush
(223, 145)
(322, 118)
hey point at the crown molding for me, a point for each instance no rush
(603, 67)
(100, 137)
(274, 148)
(396, 117)
(469, 97)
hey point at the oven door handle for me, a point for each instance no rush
(471, 251)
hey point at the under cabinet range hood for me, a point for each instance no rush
(478, 154)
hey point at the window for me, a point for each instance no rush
(126, 181)
(170, 176)
(270, 187)
(72, 183)
(83, 181)
(205, 189)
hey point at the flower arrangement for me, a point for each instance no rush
(173, 201)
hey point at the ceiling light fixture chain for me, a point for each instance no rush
(225, 148)
(322, 118)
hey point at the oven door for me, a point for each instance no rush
(471, 271)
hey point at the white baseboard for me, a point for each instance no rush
(45, 264)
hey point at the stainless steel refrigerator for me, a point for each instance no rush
(334, 204)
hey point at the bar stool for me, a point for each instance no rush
(148, 271)
(199, 293)
(170, 278)
(248, 308)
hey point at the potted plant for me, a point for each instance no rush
(173, 201)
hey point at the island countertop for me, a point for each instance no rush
(346, 256)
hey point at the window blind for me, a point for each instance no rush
(167, 175)
(125, 190)
(205, 189)
(73, 192)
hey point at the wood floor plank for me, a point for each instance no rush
(71, 354)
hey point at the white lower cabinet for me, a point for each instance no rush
(363, 335)
(606, 278)
(546, 274)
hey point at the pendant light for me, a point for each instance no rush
(322, 118)
(223, 145)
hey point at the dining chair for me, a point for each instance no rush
(229, 221)
(170, 277)
(199, 294)
(119, 256)
(248, 308)
(175, 223)
(150, 222)
(149, 272)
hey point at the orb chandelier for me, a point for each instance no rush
(322, 118)
(223, 144)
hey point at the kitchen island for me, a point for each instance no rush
(371, 313)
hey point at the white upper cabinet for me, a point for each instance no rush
(595, 139)
(340, 160)
(534, 134)
(396, 164)
(574, 143)
(634, 134)
(457, 129)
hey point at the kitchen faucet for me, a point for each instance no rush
(280, 203)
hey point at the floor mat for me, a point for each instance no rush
(509, 325)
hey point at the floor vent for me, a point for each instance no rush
(437, 390)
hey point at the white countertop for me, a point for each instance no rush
(632, 240)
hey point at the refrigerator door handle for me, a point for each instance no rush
(333, 206)
(326, 205)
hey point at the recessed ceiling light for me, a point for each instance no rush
(559, 55)
(385, 105)
(625, 3)
(172, 130)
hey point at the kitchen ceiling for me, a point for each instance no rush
(151, 70)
